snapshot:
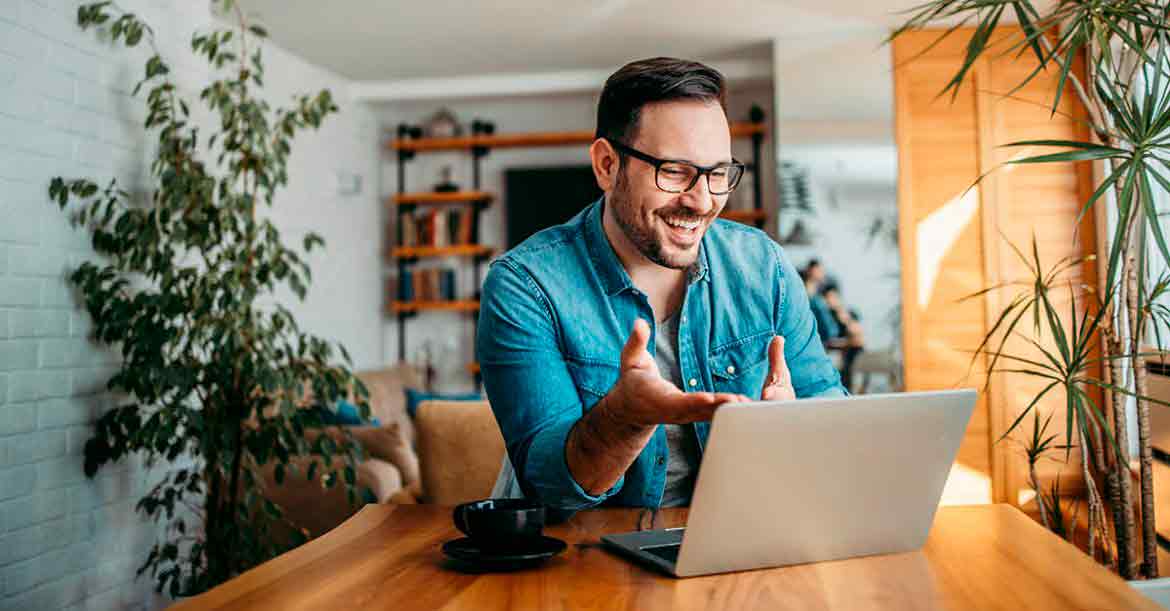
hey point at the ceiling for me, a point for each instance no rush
(379, 40)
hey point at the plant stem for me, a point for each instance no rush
(1039, 495)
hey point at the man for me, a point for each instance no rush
(607, 343)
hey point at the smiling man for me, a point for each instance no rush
(607, 343)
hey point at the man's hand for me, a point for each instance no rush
(778, 385)
(607, 440)
(641, 397)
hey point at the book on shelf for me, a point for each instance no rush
(405, 286)
(428, 285)
(438, 228)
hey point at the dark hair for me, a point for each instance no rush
(830, 287)
(812, 263)
(657, 79)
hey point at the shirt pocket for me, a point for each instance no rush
(593, 378)
(740, 366)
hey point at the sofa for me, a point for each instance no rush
(449, 453)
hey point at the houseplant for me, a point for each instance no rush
(1126, 93)
(214, 371)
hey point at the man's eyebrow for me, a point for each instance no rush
(690, 161)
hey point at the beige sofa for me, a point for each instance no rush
(448, 454)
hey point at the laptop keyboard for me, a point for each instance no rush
(668, 553)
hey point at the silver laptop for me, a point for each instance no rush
(790, 482)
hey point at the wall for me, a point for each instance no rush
(66, 541)
(451, 334)
(841, 132)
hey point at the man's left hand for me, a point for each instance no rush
(778, 385)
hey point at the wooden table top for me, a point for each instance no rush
(389, 557)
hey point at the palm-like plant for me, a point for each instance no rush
(1126, 93)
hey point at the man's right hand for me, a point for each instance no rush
(642, 397)
(607, 439)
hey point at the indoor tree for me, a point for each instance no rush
(1125, 91)
(214, 371)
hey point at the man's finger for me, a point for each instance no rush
(779, 375)
(778, 385)
(634, 352)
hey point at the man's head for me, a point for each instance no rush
(667, 109)
(815, 271)
(832, 294)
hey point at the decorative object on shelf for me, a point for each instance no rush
(794, 188)
(799, 236)
(409, 132)
(446, 184)
(479, 127)
(442, 124)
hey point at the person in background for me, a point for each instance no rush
(850, 338)
(815, 273)
(827, 327)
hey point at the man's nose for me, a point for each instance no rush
(699, 197)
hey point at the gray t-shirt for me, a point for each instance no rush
(680, 439)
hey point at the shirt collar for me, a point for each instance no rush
(609, 268)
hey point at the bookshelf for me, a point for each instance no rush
(455, 197)
(460, 305)
(405, 205)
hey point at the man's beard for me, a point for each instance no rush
(644, 238)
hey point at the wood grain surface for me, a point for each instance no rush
(389, 557)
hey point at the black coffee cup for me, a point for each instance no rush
(497, 524)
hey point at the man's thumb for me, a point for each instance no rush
(635, 346)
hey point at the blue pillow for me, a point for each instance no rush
(347, 414)
(415, 397)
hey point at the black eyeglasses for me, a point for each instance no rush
(677, 176)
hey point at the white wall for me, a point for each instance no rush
(66, 541)
(841, 129)
(453, 332)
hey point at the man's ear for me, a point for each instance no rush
(606, 163)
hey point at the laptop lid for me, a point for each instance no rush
(790, 482)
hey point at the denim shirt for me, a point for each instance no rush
(557, 309)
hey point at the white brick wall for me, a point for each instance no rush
(67, 541)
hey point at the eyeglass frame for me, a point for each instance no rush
(700, 171)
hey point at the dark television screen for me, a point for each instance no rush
(542, 197)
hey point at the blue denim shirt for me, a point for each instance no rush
(557, 309)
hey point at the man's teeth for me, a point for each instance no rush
(681, 224)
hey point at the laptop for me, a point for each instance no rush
(791, 482)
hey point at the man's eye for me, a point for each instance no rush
(720, 173)
(674, 171)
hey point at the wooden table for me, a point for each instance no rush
(389, 557)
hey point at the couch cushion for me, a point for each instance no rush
(460, 450)
(311, 506)
(386, 443)
(388, 395)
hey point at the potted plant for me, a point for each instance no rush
(214, 370)
(1126, 92)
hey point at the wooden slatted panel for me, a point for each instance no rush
(1040, 201)
(941, 241)
(943, 148)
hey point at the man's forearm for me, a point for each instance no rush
(600, 448)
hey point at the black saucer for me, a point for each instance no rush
(467, 551)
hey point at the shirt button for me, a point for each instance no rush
(693, 382)
(731, 369)
(683, 318)
(661, 461)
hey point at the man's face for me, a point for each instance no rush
(666, 228)
(816, 274)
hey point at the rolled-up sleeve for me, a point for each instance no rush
(813, 373)
(529, 386)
